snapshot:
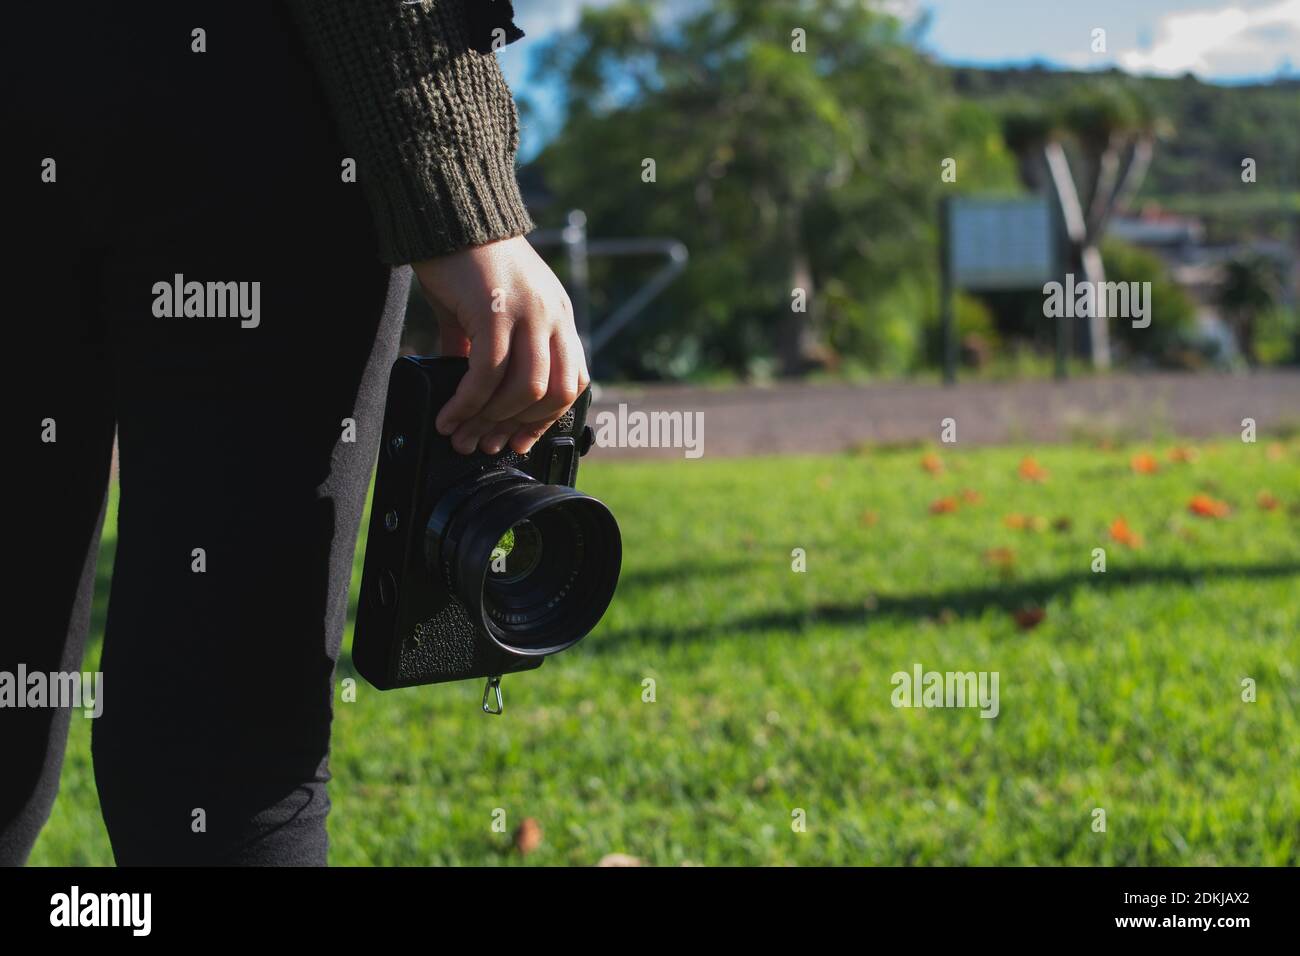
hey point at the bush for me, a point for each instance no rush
(1275, 336)
(1173, 314)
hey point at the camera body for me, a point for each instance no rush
(476, 565)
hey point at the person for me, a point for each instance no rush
(219, 209)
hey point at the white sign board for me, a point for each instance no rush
(1000, 243)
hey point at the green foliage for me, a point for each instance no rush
(1096, 113)
(1253, 287)
(771, 165)
(773, 688)
(1205, 131)
(820, 170)
(1173, 314)
(883, 335)
(1276, 331)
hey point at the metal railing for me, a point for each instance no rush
(579, 249)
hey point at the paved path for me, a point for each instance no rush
(795, 418)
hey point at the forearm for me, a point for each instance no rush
(430, 121)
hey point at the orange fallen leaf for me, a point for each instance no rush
(1206, 507)
(1121, 533)
(1029, 618)
(1019, 522)
(1145, 464)
(1183, 454)
(870, 518)
(1275, 451)
(1031, 470)
(932, 463)
(528, 837)
(1000, 557)
(1267, 501)
(971, 496)
(943, 506)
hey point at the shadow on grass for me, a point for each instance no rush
(961, 602)
(628, 581)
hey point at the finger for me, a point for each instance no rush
(489, 354)
(584, 376)
(495, 439)
(568, 379)
(526, 379)
(560, 394)
(468, 434)
(563, 389)
(526, 436)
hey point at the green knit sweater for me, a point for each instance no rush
(429, 120)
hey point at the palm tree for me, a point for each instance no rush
(1114, 135)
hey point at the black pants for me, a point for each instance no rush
(245, 443)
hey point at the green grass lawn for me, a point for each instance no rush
(773, 688)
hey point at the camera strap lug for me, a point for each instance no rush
(493, 684)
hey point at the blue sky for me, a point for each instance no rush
(1218, 40)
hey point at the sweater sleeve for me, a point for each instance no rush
(430, 121)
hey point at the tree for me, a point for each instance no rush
(1113, 135)
(794, 142)
(1252, 285)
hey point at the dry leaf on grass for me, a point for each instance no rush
(1000, 557)
(1029, 618)
(1031, 470)
(1203, 506)
(1120, 532)
(1145, 464)
(528, 837)
(1019, 522)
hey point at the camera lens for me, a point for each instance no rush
(516, 554)
(535, 563)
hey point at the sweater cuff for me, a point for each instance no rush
(434, 210)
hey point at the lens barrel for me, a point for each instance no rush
(552, 585)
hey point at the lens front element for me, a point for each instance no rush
(536, 564)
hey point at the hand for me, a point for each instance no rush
(501, 305)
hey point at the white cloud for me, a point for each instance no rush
(905, 10)
(1231, 41)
